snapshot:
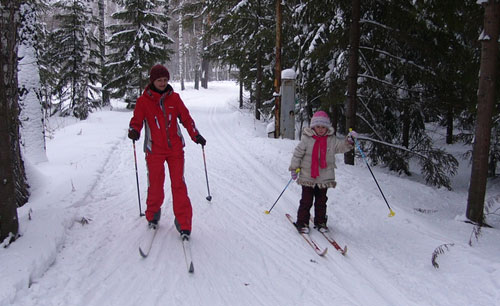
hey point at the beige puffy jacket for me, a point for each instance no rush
(302, 157)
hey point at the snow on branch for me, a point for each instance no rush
(393, 146)
(402, 60)
(388, 83)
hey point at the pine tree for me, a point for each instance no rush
(321, 37)
(78, 59)
(194, 17)
(416, 63)
(48, 69)
(394, 71)
(243, 35)
(137, 43)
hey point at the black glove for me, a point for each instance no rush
(133, 134)
(200, 140)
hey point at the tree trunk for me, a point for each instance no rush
(352, 79)
(31, 111)
(204, 62)
(241, 89)
(449, 124)
(406, 124)
(205, 69)
(486, 101)
(277, 73)
(198, 53)
(492, 165)
(258, 86)
(13, 187)
(335, 118)
(181, 53)
(102, 50)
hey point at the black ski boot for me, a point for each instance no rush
(153, 224)
(184, 233)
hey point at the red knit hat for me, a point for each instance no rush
(320, 118)
(158, 71)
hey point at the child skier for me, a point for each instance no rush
(315, 157)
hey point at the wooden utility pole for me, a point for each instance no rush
(485, 104)
(277, 72)
(352, 78)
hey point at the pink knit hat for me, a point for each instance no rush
(320, 118)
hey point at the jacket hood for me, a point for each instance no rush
(310, 132)
(150, 90)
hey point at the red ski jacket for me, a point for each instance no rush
(159, 113)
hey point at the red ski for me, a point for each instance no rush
(309, 240)
(332, 241)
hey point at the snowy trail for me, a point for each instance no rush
(241, 255)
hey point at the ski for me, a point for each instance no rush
(309, 240)
(332, 241)
(187, 254)
(186, 246)
(146, 244)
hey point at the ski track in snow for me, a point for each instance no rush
(241, 255)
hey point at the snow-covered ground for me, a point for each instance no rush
(242, 256)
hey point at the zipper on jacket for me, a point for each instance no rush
(167, 119)
(157, 123)
(168, 127)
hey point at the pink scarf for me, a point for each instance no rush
(318, 149)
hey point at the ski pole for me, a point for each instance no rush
(209, 197)
(291, 179)
(137, 180)
(391, 212)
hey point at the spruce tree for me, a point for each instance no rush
(77, 58)
(137, 43)
(243, 35)
(394, 74)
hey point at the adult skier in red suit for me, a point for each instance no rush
(158, 110)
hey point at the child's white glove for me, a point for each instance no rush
(350, 137)
(295, 173)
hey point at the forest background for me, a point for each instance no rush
(390, 70)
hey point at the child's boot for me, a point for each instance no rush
(302, 228)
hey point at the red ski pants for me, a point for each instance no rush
(156, 176)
